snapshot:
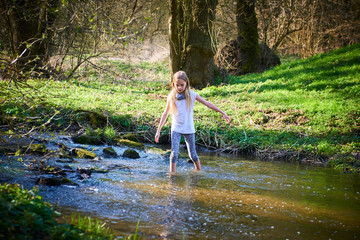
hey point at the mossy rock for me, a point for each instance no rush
(159, 151)
(55, 181)
(85, 139)
(65, 154)
(83, 153)
(94, 119)
(131, 137)
(130, 143)
(97, 120)
(99, 170)
(130, 153)
(109, 151)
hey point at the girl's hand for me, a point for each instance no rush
(226, 118)
(157, 137)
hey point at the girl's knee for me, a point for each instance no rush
(174, 156)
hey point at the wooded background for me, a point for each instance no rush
(54, 38)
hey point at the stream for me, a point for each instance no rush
(231, 198)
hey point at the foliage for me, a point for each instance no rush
(93, 228)
(304, 108)
(135, 236)
(29, 217)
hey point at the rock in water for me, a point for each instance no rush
(130, 153)
(109, 151)
(82, 153)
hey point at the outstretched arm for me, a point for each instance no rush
(162, 121)
(212, 106)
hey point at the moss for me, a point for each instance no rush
(86, 139)
(37, 148)
(131, 136)
(130, 143)
(156, 150)
(130, 153)
(97, 120)
(98, 170)
(109, 151)
(82, 153)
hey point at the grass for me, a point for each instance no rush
(29, 217)
(303, 109)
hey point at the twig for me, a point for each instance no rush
(43, 125)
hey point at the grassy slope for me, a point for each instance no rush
(307, 108)
(313, 102)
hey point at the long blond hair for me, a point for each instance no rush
(172, 96)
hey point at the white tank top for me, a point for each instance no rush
(182, 120)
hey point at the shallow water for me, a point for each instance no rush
(231, 198)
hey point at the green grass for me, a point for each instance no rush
(25, 215)
(302, 109)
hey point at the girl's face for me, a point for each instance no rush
(180, 85)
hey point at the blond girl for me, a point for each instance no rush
(180, 103)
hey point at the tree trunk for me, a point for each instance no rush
(27, 27)
(248, 37)
(191, 38)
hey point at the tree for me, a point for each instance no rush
(308, 27)
(26, 31)
(249, 50)
(192, 39)
(242, 55)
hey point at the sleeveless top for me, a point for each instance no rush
(182, 120)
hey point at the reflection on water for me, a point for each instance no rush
(232, 198)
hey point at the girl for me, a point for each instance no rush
(180, 103)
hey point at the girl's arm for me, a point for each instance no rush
(162, 121)
(212, 106)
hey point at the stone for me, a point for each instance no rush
(97, 120)
(87, 171)
(85, 139)
(109, 151)
(98, 170)
(130, 153)
(55, 181)
(83, 153)
(130, 143)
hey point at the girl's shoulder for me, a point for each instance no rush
(193, 95)
(192, 92)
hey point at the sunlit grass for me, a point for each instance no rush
(307, 106)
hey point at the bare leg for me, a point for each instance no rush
(197, 165)
(172, 167)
